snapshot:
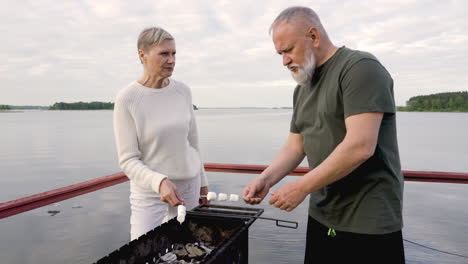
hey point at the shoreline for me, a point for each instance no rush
(210, 108)
(11, 111)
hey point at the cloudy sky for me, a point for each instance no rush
(84, 50)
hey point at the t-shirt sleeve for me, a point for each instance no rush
(293, 128)
(367, 87)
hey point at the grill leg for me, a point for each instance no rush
(245, 247)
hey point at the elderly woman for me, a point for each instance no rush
(156, 137)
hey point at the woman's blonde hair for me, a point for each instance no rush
(152, 36)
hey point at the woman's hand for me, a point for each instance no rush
(203, 191)
(169, 194)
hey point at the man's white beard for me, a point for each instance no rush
(304, 73)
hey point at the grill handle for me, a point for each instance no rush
(279, 222)
(282, 223)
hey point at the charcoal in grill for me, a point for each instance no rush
(226, 235)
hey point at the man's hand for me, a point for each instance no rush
(203, 191)
(289, 196)
(169, 194)
(255, 191)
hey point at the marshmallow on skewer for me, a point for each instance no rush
(222, 197)
(234, 197)
(211, 196)
(181, 212)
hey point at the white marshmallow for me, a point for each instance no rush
(234, 197)
(222, 197)
(211, 196)
(181, 212)
(169, 257)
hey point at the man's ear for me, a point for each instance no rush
(314, 34)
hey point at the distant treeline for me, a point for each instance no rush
(5, 107)
(86, 106)
(82, 106)
(28, 107)
(441, 102)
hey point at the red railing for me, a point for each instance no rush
(38, 200)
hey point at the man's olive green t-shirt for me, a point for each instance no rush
(368, 200)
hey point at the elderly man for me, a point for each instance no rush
(344, 122)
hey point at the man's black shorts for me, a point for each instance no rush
(328, 247)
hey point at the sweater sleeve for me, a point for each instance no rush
(127, 147)
(193, 140)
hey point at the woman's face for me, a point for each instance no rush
(160, 59)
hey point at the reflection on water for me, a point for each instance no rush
(46, 150)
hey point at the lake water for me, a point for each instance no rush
(43, 150)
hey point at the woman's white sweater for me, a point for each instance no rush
(156, 136)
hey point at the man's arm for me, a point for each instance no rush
(287, 159)
(359, 145)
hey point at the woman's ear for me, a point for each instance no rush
(141, 55)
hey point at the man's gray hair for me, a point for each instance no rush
(152, 36)
(299, 15)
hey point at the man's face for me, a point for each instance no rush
(160, 59)
(295, 48)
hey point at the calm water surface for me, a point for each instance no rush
(44, 150)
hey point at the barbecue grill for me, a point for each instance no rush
(222, 230)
